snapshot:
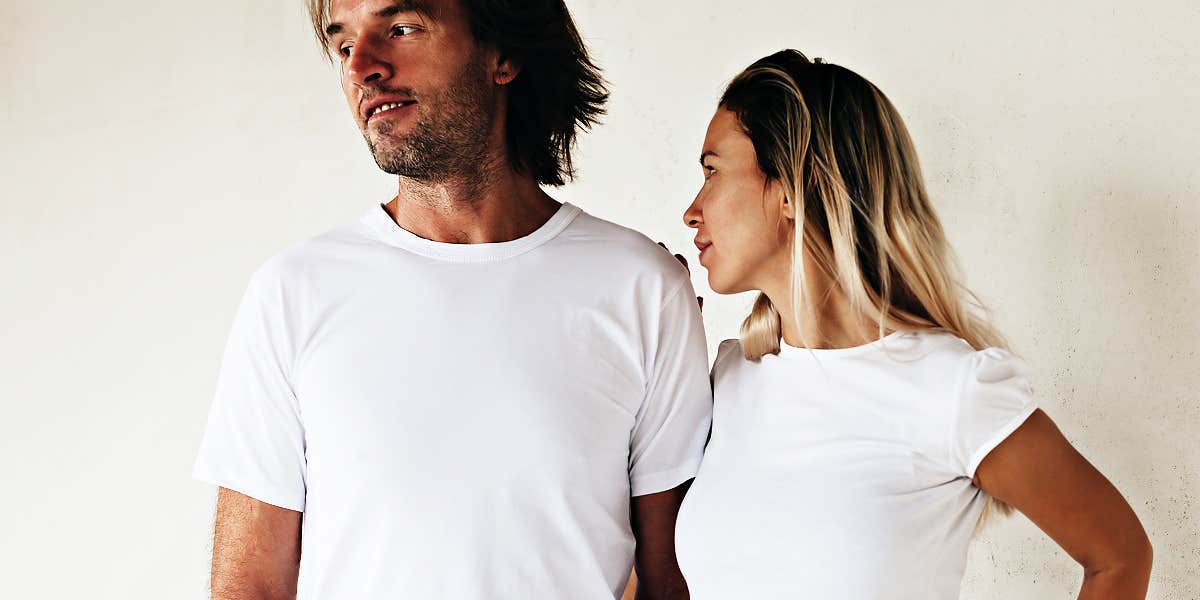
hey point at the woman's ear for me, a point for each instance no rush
(787, 207)
(506, 70)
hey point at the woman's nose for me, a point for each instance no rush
(692, 217)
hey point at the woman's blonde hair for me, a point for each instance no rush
(841, 153)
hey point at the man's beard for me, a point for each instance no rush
(449, 137)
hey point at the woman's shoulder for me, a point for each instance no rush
(942, 346)
(938, 360)
(969, 375)
(933, 347)
(728, 348)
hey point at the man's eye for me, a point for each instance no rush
(403, 30)
(708, 171)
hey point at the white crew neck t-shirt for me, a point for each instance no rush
(462, 421)
(846, 473)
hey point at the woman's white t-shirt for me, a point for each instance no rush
(846, 473)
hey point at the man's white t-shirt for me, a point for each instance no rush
(846, 473)
(464, 421)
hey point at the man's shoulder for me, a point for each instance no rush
(301, 259)
(624, 246)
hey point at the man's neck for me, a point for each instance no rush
(481, 208)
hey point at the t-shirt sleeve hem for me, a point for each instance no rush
(263, 493)
(662, 481)
(1000, 435)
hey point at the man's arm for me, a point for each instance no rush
(653, 519)
(256, 549)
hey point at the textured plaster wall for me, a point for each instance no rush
(155, 153)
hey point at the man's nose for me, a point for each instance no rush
(365, 67)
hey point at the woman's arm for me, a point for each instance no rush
(1038, 472)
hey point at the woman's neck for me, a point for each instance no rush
(831, 322)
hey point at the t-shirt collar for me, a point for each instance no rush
(378, 219)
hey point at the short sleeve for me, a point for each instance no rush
(726, 350)
(995, 398)
(254, 441)
(672, 423)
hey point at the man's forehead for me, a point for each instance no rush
(340, 10)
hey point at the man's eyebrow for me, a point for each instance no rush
(707, 153)
(420, 7)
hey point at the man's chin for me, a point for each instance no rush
(389, 150)
(400, 164)
(388, 135)
(393, 166)
(387, 138)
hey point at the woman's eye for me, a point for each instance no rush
(345, 51)
(708, 171)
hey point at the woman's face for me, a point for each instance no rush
(742, 224)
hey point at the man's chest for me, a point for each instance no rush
(417, 385)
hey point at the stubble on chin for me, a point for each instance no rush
(448, 137)
(406, 155)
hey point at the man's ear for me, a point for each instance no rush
(506, 70)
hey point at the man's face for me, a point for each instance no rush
(417, 83)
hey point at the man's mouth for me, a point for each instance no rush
(383, 106)
(386, 107)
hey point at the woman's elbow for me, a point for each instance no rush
(1134, 557)
(1143, 554)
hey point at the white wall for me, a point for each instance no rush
(154, 153)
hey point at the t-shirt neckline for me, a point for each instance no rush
(392, 234)
(788, 350)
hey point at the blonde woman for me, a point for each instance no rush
(868, 414)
